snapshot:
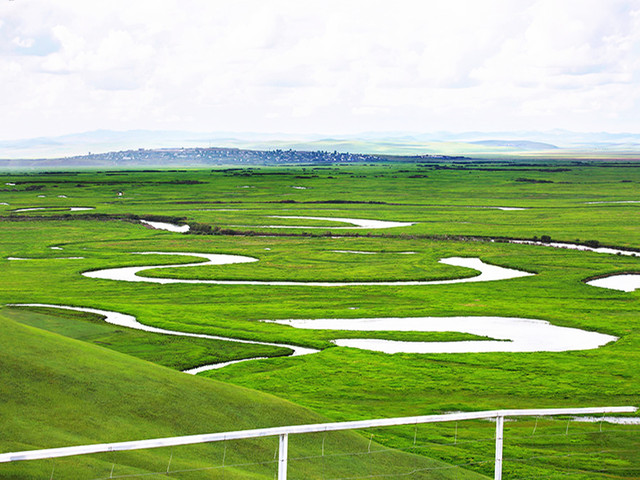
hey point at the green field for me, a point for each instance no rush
(69, 378)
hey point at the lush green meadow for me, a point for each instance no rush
(450, 209)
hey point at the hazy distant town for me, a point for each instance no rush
(213, 156)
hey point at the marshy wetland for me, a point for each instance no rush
(417, 252)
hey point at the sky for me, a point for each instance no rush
(334, 67)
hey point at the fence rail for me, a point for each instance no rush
(284, 432)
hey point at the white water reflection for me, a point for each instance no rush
(488, 207)
(584, 248)
(505, 209)
(487, 273)
(626, 282)
(167, 226)
(514, 334)
(129, 274)
(129, 321)
(614, 420)
(359, 223)
(521, 335)
(623, 282)
(71, 209)
(619, 201)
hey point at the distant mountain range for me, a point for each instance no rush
(524, 144)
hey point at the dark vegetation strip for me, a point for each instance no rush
(340, 202)
(532, 180)
(101, 217)
(355, 202)
(496, 169)
(81, 183)
(30, 188)
(206, 229)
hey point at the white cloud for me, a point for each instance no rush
(324, 66)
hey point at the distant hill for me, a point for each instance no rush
(211, 156)
(81, 149)
(517, 144)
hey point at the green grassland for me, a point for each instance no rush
(337, 383)
(58, 391)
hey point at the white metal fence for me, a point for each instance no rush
(284, 432)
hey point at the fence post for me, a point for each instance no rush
(499, 433)
(282, 460)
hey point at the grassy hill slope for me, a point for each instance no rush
(60, 392)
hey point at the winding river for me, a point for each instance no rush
(624, 282)
(71, 209)
(517, 334)
(510, 334)
(359, 223)
(627, 282)
(166, 226)
(507, 334)
(487, 273)
(129, 321)
(583, 248)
